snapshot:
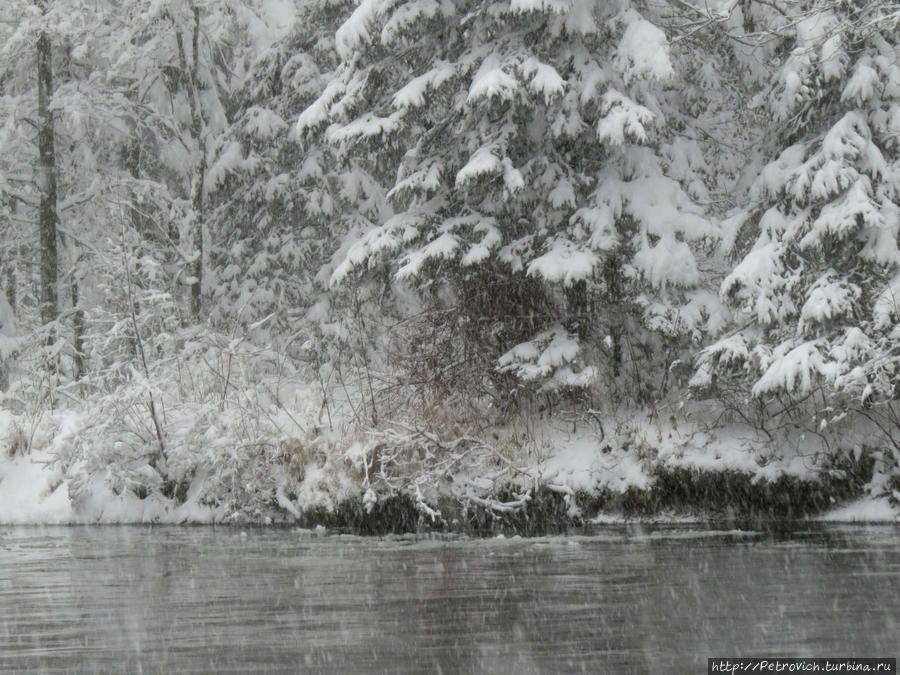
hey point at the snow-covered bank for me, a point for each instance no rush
(243, 435)
(33, 492)
(566, 479)
(863, 510)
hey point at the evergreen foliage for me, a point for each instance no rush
(815, 285)
(513, 169)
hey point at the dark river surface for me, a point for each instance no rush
(626, 599)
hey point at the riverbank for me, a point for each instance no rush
(572, 482)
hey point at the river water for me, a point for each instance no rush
(625, 599)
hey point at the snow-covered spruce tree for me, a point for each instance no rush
(817, 284)
(530, 221)
(273, 214)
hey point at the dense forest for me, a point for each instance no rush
(266, 257)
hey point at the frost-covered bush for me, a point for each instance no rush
(209, 423)
(158, 414)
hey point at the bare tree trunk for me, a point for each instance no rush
(11, 259)
(198, 132)
(612, 273)
(132, 157)
(138, 220)
(12, 288)
(197, 203)
(47, 216)
(159, 462)
(78, 332)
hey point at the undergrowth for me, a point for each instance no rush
(731, 496)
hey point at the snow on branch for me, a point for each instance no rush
(356, 30)
(886, 309)
(480, 251)
(732, 351)
(829, 299)
(317, 112)
(544, 79)
(404, 18)
(551, 357)
(491, 80)
(486, 162)
(794, 371)
(368, 125)
(622, 118)
(483, 162)
(426, 180)
(402, 458)
(845, 216)
(851, 139)
(229, 160)
(564, 263)
(263, 124)
(600, 222)
(442, 248)
(863, 83)
(757, 284)
(555, 6)
(669, 263)
(643, 51)
(412, 95)
(397, 231)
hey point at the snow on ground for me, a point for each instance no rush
(33, 493)
(30, 492)
(582, 460)
(104, 506)
(865, 510)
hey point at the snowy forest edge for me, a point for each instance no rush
(420, 264)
